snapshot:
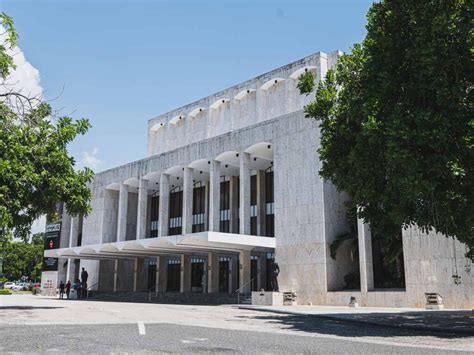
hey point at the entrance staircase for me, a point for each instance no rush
(170, 298)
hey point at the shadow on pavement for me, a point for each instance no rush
(407, 324)
(25, 307)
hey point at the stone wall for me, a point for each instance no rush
(431, 260)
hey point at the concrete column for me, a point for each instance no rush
(245, 271)
(157, 275)
(244, 193)
(206, 206)
(162, 269)
(188, 201)
(234, 276)
(163, 209)
(215, 196)
(234, 204)
(212, 272)
(262, 271)
(122, 213)
(142, 208)
(261, 204)
(135, 274)
(115, 274)
(205, 276)
(185, 279)
(365, 256)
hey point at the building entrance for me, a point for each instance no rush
(173, 275)
(224, 271)
(197, 274)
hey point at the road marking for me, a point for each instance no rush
(187, 341)
(200, 339)
(141, 328)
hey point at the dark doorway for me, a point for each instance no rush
(269, 278)
(254, 272)
(224, 270)
(151, 275)
(174, 275)
(197, 273)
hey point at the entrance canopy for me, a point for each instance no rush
(202, 242)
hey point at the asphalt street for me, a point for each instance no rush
(32, 324)
(165, 338)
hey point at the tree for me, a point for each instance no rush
(36, 170)
(22, 258)
(396, 119)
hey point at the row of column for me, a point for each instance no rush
(214, 202)
(211, 273)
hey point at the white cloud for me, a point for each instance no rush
(90, 159)
(25, 78)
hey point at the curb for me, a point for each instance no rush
(370, 322)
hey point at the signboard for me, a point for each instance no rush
(51, 240)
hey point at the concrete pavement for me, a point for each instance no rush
(442, 321)
(91, 326)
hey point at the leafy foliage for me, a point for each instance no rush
(22, 258)
(396, 119)
(36, 170)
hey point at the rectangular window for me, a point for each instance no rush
(175, 212)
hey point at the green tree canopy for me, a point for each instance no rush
(36, 170)
(396, 119)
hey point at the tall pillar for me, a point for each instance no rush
(162, 268)
(115, 274)
(261, 203)
(122, 213)
(212, 272)
(157, 275)
(135, 274)
(206, 206)
(244, 193)
(188, 201)
(142, 208)
(185, 279)
(365, 256)
(245, 271)
(163, 209)
(215, 196)
(234, 204)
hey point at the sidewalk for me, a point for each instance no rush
(444, 321)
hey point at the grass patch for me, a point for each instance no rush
(5, 291)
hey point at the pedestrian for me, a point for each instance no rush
(77, 288)
(68, 288)
(84, 277)
(61, 290)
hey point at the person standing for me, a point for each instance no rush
(61, 290)
(68, 288)
(84, 277)
(77, 288)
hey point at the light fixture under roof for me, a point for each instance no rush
(271, 82)
(242, 94)
(297, 73)
(194, 113)
(157, 126)
(219, 103)
(174, 121)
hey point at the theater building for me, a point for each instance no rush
(228, 187)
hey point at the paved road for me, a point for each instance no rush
(43, 324)
(120, 338)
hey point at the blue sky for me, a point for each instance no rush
(122, 62)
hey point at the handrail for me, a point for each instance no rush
(243, 288)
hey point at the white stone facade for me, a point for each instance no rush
(233, 140)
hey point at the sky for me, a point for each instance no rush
(121, 63)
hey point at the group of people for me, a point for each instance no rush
(80, 286)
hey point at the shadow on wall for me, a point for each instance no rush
(407, 324)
